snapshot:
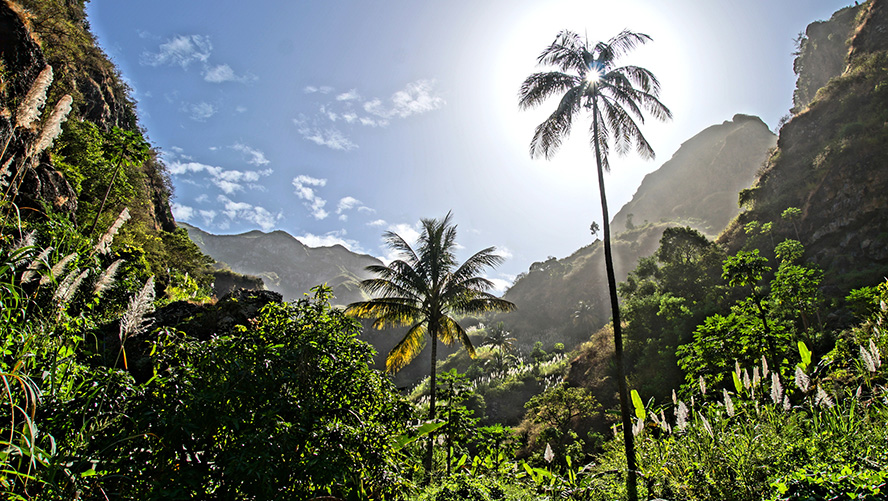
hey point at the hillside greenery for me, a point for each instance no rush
(755, 362)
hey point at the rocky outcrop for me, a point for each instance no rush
(822, 54)
(699, 184)
(831, 163)
(44, 184)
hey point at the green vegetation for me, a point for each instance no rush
(753, 374)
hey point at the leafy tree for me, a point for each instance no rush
(288, 408)
(588, 79)
(425, 289)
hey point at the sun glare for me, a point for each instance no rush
(593, 76)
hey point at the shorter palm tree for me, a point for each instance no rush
(499, 338)
(425, 289)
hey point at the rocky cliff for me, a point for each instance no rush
(35, 34)
(699, 184)
(831, 163)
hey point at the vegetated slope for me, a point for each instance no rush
(65, 180)
(831, 163)
(565, 300)
(700, 182)
(285, 264)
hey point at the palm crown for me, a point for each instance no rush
(589, 79)
(425, 288)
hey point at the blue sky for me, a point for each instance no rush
(336, 121)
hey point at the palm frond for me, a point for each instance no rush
(548, 135)
(387, 312)
(539, 87)
(566, 53)
(449, 332)
(405, 351)
(624, 42)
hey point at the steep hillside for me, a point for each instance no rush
(701, 180)
(285, 264)
(831, 163)
(565, 300)
(73, 154)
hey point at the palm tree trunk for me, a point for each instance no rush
(628, 438)
(433, 386)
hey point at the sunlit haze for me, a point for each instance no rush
(336, 121)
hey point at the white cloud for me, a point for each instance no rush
(500, 284)
(417, 97)
(311, 89)
(223, 73)
(257, 157)
(348, 96)
(330, 137)
(208, 216)
(181, 50)
(305, 191)
(202, 199)
(241, 109)
(331, 239)
(504, 252)
(255, 214)
(378, 222)
(200, 112)
(350, 203)
(229, 181)
(347, 203)
(182, 212)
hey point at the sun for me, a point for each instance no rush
(593, 76)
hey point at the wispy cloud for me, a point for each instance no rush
(181, 50)
(185, 50)
(229, 181)
(189, 214)
(255, 156)
(182, 212)
(223, 73)
(200, 112)
(330, 239)
(323, 89)
(348, 96)
(377, 223)
(330, 137)
(351, 109)
(305, 190)
(350, 203)
(243, 211)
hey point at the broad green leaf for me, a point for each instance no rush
(738, 385)
(640, 413)
(805, 353)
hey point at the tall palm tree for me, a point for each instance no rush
(588, 80)
(424, 289)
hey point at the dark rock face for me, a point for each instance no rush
(699, 184)
(44, 184)
(203, 321)
(20, 53)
